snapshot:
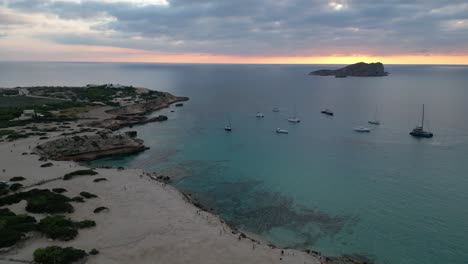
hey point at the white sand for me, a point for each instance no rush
(147, 223)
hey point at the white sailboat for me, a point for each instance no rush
(228, 127)
(375, 121)
(293, 118)
(260, 115)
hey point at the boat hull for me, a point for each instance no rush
(327, 113)
(422, 135)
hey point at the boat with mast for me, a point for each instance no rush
(419, 131)
(293, 118)
(228, 127)
(375, 121)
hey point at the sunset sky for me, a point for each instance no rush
(240, 31)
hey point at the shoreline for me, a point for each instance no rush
(226, 240)
(160, 214)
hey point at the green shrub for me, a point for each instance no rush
(17, 178)
(99, 180)
(58, 227)
(100, 209)
(4, 188)
(59, 190)
(6, 132)
(9, 237)
(94, 251)
(85, 224)
(40, 201)
(15, 186)
(77, 199)
(13, 227)
(49, 164)
(70, 175)
(88, 195)
(58, 255)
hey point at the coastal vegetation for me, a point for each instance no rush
(100, 209)
(14, 227)
(17, 178)
(59, 190)
(15, 187)
(99, 180)
(40, 201)
(62, 228)
(88, 195)
(71, 175)
(58, 255)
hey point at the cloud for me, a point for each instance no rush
(254, 28)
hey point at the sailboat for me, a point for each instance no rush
(276, 109)
(374, 121)
(419, 130)
(260, 115)
(228, 126)
(293, 118)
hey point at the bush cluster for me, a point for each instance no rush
(17, 178)
(40, 201)
(13, 227)
(70, 175)
(58, 255)
(88, 195)
(58, 227)
(62, 228)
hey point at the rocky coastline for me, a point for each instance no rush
(76, 142)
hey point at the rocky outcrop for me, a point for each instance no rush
(360, 69)
(161, 102)
(135, 114)
(121, 121)
(86, 148)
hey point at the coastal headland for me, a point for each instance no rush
(112, 215)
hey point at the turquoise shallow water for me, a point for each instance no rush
(322, 186)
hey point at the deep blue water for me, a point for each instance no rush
(322, 186)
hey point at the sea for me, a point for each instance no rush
(323, 186)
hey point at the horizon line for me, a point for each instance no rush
(221, 63)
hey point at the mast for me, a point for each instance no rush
(422, 121)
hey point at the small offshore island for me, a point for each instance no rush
(360, 69)
(53, 210)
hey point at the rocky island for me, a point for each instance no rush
(360, 69)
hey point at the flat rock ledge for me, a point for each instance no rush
(90, 147)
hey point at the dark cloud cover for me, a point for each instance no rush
(268, 27)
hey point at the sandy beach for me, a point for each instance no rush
(148, 221)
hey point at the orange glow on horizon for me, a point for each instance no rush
(84, 53)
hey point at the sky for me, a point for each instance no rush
(235, 31)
